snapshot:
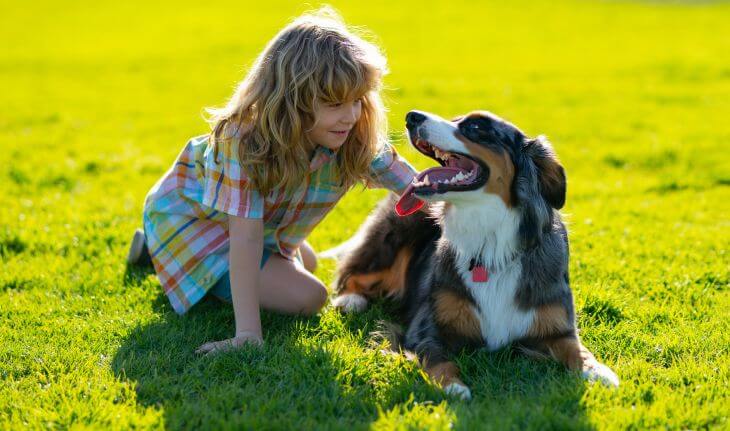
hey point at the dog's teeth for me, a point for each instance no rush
(459, 176)
(426, 181)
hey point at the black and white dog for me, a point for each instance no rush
(488, 264)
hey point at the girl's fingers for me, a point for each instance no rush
(231, 343)
(213, 346)
(205, 348)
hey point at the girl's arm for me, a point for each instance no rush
(391, 171)
(246, 247)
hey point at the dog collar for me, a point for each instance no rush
(479, 273)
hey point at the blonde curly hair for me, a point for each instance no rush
(314, 60)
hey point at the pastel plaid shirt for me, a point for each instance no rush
(186, 212)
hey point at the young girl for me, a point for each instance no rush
(231, 215)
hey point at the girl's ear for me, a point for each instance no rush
(551, 175)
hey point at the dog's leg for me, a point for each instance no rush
(570, 352)
(389, 282)
(553, 334)
(422, 338)
(446, 374)
(357, 287)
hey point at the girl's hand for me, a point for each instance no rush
(230, 344)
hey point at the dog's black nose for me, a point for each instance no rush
(414, 118)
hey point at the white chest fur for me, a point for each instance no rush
(486, 228)
(500, 319)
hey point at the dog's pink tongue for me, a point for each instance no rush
(408, 203)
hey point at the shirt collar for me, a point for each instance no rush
(321, 156)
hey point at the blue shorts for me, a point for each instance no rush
(222, 288)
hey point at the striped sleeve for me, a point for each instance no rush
(226, 184)
(390, 170)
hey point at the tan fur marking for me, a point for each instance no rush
(570, 352)
(394, 282)
(456, 312)
(362, 283)
(390, 282)
(550, 320)
(501, 169)
(444, 373)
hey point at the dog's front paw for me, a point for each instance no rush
(459, 390)
(350, 302)
(597, 372)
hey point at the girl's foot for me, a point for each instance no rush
(138, 254)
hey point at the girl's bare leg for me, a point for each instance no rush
(286, 286)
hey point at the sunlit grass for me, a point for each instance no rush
(97, 100)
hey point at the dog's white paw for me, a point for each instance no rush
(598, 372)
(350, 302)
(458, 390)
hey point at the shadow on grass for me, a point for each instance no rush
(318, 373)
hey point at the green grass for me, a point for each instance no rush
(98, 98)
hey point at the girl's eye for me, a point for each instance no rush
(337, 105)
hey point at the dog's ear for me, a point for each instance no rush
(551, 175)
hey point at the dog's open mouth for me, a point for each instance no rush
(457, 173)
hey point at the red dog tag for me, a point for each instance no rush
(479, 274)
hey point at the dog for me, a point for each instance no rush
(487, 264)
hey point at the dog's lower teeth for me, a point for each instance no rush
(460, 177)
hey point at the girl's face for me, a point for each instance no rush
(334, 123)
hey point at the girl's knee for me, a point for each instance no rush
(314, 299)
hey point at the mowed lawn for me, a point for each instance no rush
(97, 99)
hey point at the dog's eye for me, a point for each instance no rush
(473, 126)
